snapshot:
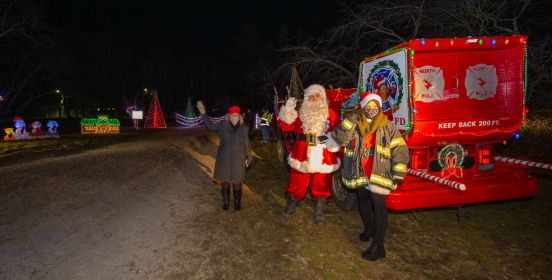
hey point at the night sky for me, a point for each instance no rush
(197, 25)
(114, 46)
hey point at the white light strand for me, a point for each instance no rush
(196, 121)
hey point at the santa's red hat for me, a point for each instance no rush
(316, 89)
(379, 82)
(234, 110)
(366, 97)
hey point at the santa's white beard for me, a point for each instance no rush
(314, 116)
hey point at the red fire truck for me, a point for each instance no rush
(453, 99)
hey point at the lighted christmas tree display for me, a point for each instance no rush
(189, 114)
(155, 118)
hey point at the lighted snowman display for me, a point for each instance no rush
(20, 129)
(52, 129)
(36, 129)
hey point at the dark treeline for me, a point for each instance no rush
(104, 53)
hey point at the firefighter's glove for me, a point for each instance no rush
(322, 139)
(291, 103)
(354, 118)
(200, 107)
(398, 182)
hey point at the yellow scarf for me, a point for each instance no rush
(370, 127)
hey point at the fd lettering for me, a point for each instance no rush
(400, 121)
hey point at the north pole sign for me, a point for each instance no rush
(481, 81)
(429, 83)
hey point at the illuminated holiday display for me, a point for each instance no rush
(155, 118)
(196, 121)
(20, 132)
(101, 125)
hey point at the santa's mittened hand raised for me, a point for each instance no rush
(200, 107)
(291, 103)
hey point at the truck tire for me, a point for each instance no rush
(345, 198)
(282, 153)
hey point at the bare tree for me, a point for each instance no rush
(24, 55)
(373, 27)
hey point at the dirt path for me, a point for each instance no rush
(114, 213)
(147, 209)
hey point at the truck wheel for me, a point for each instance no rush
(282, 153)
(345, 198)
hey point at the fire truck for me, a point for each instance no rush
(453, 99)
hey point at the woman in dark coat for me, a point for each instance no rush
(233, 153)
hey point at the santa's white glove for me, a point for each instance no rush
(291, 103)
(200, 107)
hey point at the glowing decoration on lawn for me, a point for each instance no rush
(20, 129)
(36, 129)
(523, 162)
(197, 121)
(155, 118)
(437, 179)
(450, 159)
(20, 132)
(102, 125)
(189, 119)
(10, 135)
(52, 129)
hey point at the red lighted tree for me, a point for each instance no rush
(155, 118)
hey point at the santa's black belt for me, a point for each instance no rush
(312, 139)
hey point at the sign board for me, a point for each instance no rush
(137, 115)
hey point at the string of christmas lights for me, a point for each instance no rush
(189, 122)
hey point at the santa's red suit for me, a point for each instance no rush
(310, 163)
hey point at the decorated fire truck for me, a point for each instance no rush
(453, 99)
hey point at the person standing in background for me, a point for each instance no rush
(266, 119)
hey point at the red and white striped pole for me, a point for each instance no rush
(437, 179)
(524, 162)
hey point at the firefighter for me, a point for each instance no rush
(374, 163)
(233, 155)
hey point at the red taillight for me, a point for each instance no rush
(486, 161)
(419, 159)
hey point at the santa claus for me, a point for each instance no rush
(313, 156)
(386, 93)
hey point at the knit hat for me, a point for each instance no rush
(316, 89)
(366, 97)
(234, 110)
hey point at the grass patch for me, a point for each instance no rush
(495, 240)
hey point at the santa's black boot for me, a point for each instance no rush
(237, 196)
(225, 192)
(291, 204)
(319, 203)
